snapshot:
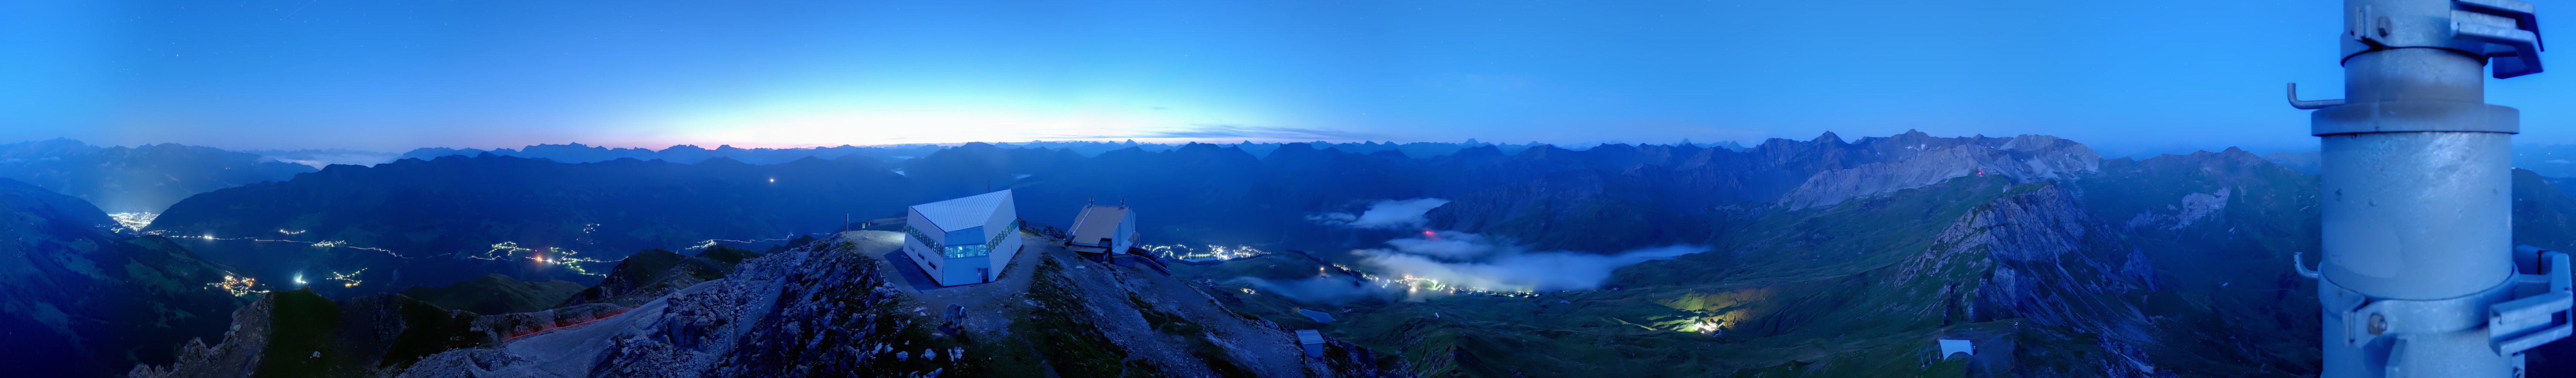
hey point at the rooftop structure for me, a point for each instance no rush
(1103, 229)
(1313, 341)
(964, 240)
(1951, 347)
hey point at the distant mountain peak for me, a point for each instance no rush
(1828, 137)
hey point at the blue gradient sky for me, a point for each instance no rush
(2122, 76)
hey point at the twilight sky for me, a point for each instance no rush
(2122, 76)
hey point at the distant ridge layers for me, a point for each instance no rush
(140, 179)
(446, 219)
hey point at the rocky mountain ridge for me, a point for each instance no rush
(145, 178)
(2026, 158)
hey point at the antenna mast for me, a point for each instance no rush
(2420, 276)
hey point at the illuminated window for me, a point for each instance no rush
(968, 250)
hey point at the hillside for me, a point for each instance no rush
(78, 300)
(2108, 268)
(456, 218)
(651, 274)
(496, 294)
(819, 309)
(1836, 291)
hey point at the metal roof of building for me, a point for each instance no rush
(1951, 347)
(962, 213)
(1309, 337)
(1098, 222)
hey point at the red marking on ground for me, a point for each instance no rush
(563, 327)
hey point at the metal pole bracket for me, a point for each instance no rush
(2505, 29)
(2533, 320)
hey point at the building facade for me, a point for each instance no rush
(1108, 229)
(965, 240)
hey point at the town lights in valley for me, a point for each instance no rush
(238, 285)
(711, 243)
(562, 257)
(315, 244)
(348, 280)
(134, 221)
(1212, 252)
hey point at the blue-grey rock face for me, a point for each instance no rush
(2027, 158)
(2051, 264)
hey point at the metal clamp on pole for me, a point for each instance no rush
(2508, 29)
(2505, 32)
(2540, 315)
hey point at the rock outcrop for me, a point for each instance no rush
(2026, 158)
(238, 355)
(800, 313)
(2050, 263)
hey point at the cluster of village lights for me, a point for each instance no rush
(1706, 326)
(1419, 285)
(238, 285)
(1211, 253)
(315, 244)
(711, 243)
(562, 257)
(347, 280)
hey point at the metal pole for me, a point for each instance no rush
(2419, 276)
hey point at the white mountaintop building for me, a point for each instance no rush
(965, 240)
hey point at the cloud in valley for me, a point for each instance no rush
(1475, 261)
(1385, 215)
(1462, 260)
(1332, 290)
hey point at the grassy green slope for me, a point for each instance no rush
(496, 294)
(651, 273)
(1847, 290)
(312, 336)
(2230, 303)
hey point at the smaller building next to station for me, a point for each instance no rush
(1103, 229)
